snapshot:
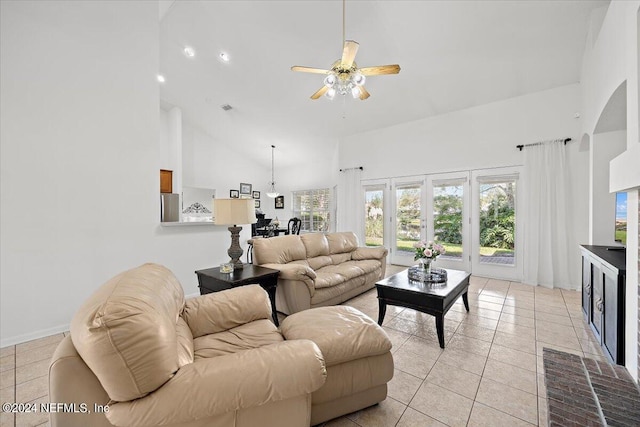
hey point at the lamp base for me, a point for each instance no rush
(235, 251)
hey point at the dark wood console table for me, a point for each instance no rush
(211, 280)
(603, 297)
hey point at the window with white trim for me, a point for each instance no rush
(313, 207)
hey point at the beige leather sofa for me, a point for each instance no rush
(155, 359)
(318, 269)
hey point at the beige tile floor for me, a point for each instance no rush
(490, 373)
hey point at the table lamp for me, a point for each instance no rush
(233, 212)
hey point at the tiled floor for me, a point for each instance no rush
(490, 373)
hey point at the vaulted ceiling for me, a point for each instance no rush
(453, 55)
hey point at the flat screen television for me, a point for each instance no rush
(621, 218)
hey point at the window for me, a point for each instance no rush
(313, 207)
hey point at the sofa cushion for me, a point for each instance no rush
(316, 244)
(342, 333)
(365, 266)
(220, 311)
(340, 258)
(340, 243)
(328, 279)
(318, 262)
(348, 271)
(126, 331)
(278, 250)
(250, 335)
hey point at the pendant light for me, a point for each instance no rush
(272, 189)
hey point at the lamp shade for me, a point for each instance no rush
(234, 211)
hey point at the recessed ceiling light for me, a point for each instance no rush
(189, 52)
(160, 78)
(224, 56)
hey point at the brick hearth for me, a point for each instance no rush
(586, 392)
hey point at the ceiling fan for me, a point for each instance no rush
(344, 77)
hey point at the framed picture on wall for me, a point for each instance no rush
(256, 194)
(280, 202)
(245, 188)
(257, 203)
(234, 194)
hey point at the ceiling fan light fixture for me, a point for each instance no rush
(331, 93)
(330, 80)
(358, 79)
(344, 77)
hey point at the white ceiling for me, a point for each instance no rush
(453, 55)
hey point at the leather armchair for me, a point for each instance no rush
(155, 359)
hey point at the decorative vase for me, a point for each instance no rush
(425, 264)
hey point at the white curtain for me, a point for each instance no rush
(547, 224)
(350, 215)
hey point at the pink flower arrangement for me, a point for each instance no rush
(428, 249)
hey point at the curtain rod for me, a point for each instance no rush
(520, 147)
(348, 169)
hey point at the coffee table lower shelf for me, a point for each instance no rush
(435, 300)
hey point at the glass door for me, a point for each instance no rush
(496, 239)
(408, 219)
(374, 214)
(448, 219)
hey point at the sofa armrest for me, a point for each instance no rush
(362, 253)
(296, 273)
(292, 271)
(72, 382)
(221, 311)
(228, 383)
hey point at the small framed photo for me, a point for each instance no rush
(245, 188)
(234, 194)
(257, 203)
(280, 202)
(256, 194)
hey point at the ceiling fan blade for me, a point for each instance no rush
(320, 92)
(349, 53)
(379, 70)
(364, 94)
(309, 69)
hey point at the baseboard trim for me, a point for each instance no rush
(19, 339)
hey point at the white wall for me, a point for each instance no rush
(80, 155)
(602, 203)
(609, 61)
(481, 137)
(475, 138)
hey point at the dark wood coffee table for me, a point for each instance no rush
(212, 280)
(433, 299)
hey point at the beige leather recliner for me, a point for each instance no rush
(319, 269)
(155, 359)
